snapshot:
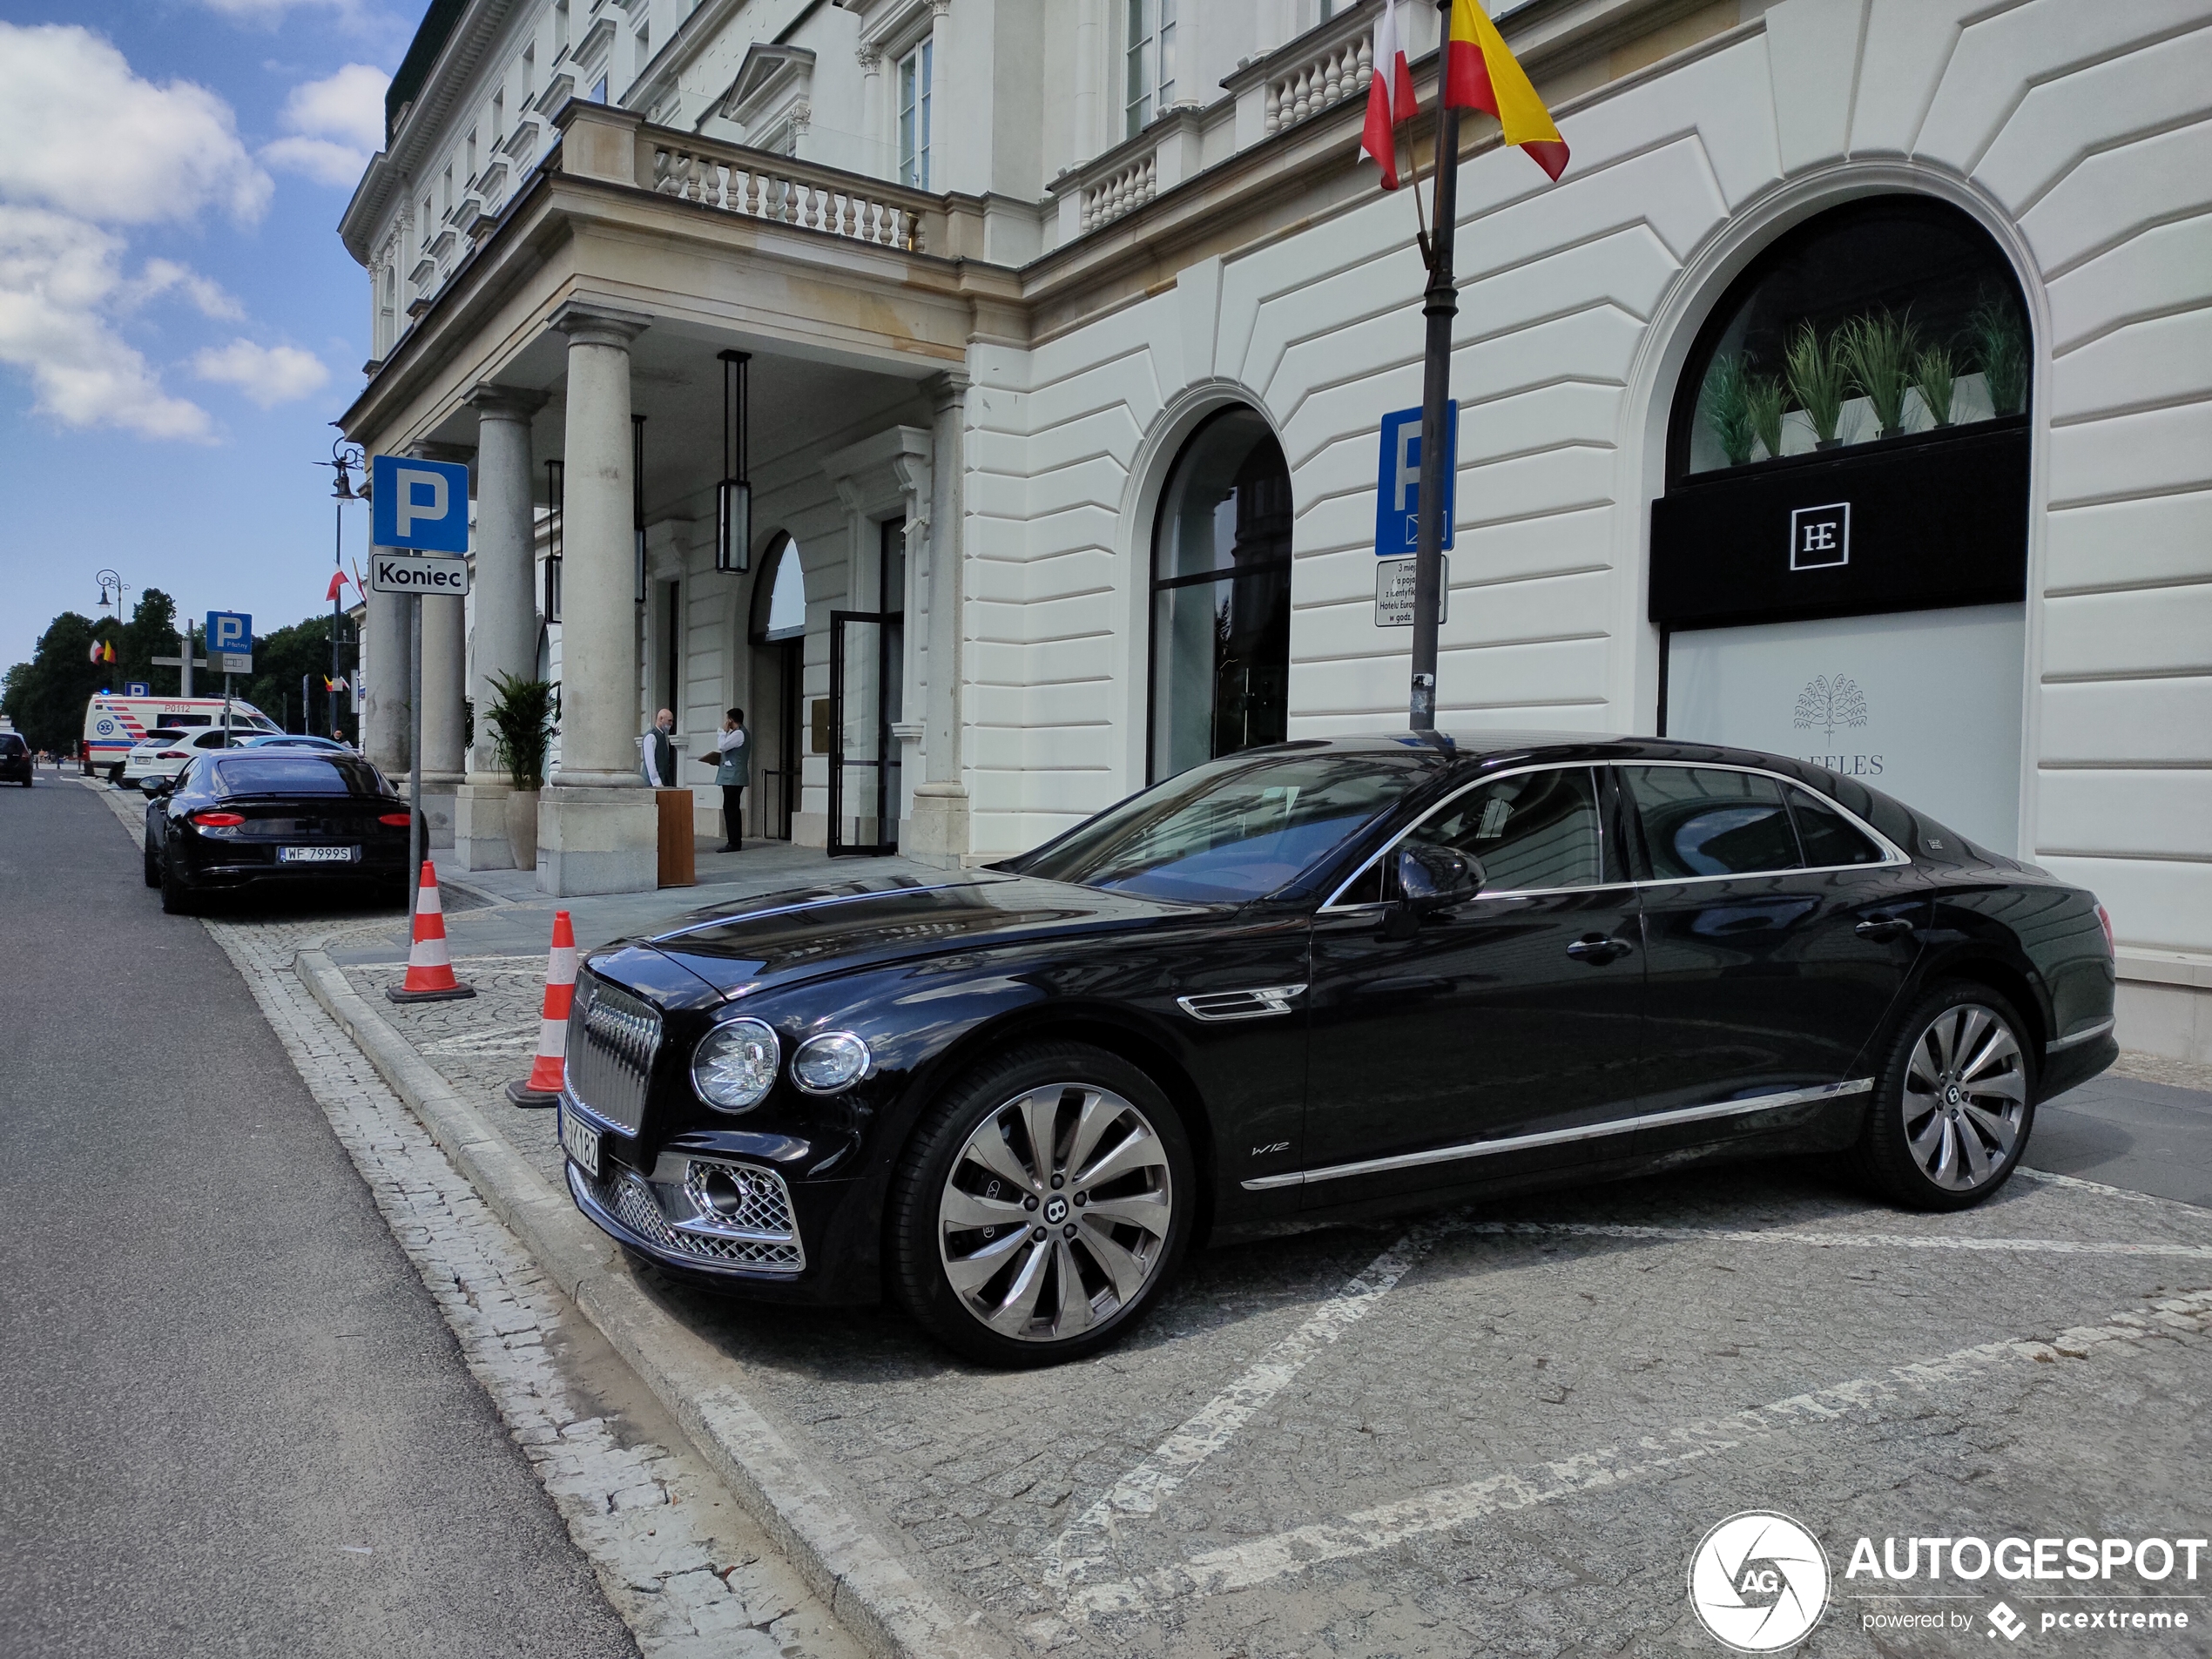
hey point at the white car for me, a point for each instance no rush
(166, 749)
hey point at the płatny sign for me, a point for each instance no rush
(1394, 593)
(397, 573)
(230, 642)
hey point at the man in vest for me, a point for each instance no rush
(732, 764)
(657, 754)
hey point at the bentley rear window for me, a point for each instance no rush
(295, 774)
(1233, 829)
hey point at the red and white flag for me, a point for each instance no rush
(1390, 96)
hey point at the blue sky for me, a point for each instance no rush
(179, 322)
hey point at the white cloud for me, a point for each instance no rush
(158, 276)
(60, 281)
(266, 374)
(80, 132)
(335, 124)
(269, 13)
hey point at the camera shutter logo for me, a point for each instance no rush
(1820, 536)
(1758, 1582)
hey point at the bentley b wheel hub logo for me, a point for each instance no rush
(1758, 1582)
(1055, 1211)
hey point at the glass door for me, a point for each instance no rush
(868, 675)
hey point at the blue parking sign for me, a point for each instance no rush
(229, 630)
(1398, 485)
(419, 504)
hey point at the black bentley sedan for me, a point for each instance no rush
(1321, 980)
(262, 818)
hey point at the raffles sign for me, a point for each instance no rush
(1924, 706)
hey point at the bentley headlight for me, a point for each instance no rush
(828, 1063)
(734, 1066)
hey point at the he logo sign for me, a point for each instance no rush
(1820, 536)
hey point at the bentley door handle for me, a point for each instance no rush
(1884, 927)
(1597, 949)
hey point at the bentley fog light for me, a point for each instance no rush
(828, 1063)
(734, 1066)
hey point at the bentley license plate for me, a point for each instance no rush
(316, 854)
(581, 1142)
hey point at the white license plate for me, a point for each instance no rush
(581, 1142)
(317, 854)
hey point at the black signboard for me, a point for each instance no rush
(1908, 524)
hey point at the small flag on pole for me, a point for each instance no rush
(1481, 73)
(1390, 96)
(337, 581)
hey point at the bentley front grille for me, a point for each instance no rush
(613, 1039)
(741, 1215)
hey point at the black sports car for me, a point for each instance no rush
(250, 818)
(1324, 978)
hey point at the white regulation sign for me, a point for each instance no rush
(409, 573)
(1394, 594)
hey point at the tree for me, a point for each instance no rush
(46, 696)
(151, 632)
(280, 659)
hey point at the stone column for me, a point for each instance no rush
(506, 609)
(445, 682)
(386, 650)
(938, 833)
(598, 824)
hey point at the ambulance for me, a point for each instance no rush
(114, 726)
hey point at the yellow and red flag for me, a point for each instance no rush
(1390, 96)
(1480, 73)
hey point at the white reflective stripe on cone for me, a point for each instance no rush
(561, 969)
(553, 1039)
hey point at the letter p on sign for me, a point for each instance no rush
(422, 505)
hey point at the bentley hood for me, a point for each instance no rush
(776, 938)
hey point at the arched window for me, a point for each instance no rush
(1892, 318)
(779, 596)
(1221, 595)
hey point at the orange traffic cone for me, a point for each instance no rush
(542, 1086)
(429, 969)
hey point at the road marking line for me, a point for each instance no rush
(1835, 1240)
(1172, 1461)
(1263, 1559)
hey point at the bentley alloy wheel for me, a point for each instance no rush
(1056, 1213)
(1965, 1092)
(1955, 1102)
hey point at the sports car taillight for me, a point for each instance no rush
(170, 754)
(397, 821)
(217, 820)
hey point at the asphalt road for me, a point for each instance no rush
(236, 1422)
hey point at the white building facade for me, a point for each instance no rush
(1067, 326)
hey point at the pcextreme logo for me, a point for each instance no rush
(1758, 1582)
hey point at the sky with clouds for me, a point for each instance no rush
(179, 322)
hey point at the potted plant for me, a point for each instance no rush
(1936, 373)
(1726, 410)
(523, 717)
(1877, 349)
(1765, 402)
(1815, 371)
(1995, 329)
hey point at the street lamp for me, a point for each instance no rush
(111, 587)
(344, 457)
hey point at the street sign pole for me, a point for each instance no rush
(1440, 307)
(414, 755)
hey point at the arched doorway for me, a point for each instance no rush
(778, 633)
(1221, 596)
(1838, 565)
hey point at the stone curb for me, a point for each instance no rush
(835, 1551)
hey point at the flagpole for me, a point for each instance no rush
(1441, 305)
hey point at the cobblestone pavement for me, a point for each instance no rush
(1506, 1432)
(687, 1571)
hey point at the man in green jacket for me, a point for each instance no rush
(732, 764)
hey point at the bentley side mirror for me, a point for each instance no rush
(1430, 879)
(155, 785)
